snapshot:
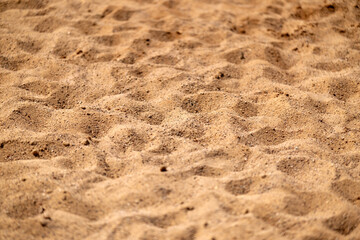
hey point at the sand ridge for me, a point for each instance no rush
(169, 119)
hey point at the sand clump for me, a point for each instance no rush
(169, 119)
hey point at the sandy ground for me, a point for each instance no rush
(179, 119)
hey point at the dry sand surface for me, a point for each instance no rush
(179, 119)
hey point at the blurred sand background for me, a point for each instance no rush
(179, 119)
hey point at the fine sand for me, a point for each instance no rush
(179, 119)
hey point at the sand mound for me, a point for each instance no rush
(179, 119)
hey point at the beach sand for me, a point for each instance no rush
(179, 119)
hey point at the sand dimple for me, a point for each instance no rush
(342, 89)
(304, 203)
(14, 150)
(348, 189)
(62, 98)
(163, 36)
(274, 56)
(165, 59)
(129, 139)
(239, 187)
(31, 117)
(30, 46)
(38, 87)
(13, 63)
(265, 136)
(25, 208)
(65, 201)
(27, 4)
(246, 109)
(86, 27)
(109, 40)
(292, 166)
(179, 119)
(122, 14)
(278, 76)
(344, 223)
(237, 56)
(49, 25)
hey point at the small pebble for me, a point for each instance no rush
(44, 222)
(36, 153)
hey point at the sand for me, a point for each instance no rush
(179, 119)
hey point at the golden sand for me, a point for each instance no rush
(179, 119)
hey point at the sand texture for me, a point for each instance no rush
(180, 119)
